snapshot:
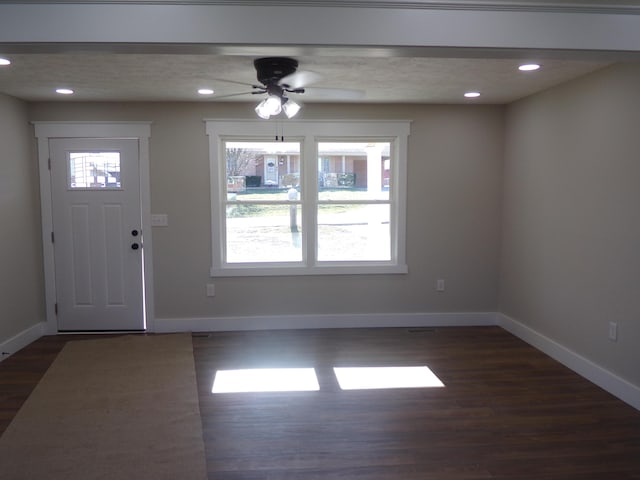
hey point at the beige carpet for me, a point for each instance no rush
(118, 408)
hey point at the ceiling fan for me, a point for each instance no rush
(279, 77)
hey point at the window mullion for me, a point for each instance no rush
(310, 199)
(218, 201)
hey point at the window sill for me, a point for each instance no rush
(288, 270)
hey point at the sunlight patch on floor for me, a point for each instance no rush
(362, 378)
(266, 380)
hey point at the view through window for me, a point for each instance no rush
(263, 208)
(94, 170)
(353, 201)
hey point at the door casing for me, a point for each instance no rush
(44, 131)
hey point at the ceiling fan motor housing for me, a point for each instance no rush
(272, 69)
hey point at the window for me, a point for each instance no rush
(328, 200)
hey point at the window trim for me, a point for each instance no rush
(309, 133)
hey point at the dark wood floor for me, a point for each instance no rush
(507, 411)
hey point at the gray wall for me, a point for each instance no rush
(557, 225)
(454, 191)
(21, 277)
(571, 223)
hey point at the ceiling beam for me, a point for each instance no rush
(392, 27)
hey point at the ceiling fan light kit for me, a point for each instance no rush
(277, 76)
(273, 105)
(269, 106)
(290, 107)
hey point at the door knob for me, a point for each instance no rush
(135, 246)
(134, 233)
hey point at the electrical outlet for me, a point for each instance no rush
(440, 285)
(613, 331)
(211, 290)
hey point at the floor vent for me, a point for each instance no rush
(421, 330)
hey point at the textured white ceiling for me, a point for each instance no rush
(173, 72)
(97, 76)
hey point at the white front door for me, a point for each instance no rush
(97, 234)
(271, 171)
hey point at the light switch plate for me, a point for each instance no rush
(159, 220)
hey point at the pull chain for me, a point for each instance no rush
(281, 137)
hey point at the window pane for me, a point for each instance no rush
(263, 233)
(353, 233)
(354, 170)
(256, 169)
(94, 170)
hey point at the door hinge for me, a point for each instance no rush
(55, 308)
(49, 163)
(53, 239)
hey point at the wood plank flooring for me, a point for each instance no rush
(506, 411)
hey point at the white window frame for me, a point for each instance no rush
(309, 134)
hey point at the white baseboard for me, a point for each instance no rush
(21, 340)
(605, 379)
(282, 322)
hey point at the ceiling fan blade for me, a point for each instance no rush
(300, 79)
(333, 94)
(253, 85)
(216, 97)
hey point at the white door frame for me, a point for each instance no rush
(44, 131)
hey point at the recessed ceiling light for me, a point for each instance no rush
(529, 67)
(472, 94)
(5, 61)
(64, 91)
(205, 91)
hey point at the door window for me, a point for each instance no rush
(94, 170)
